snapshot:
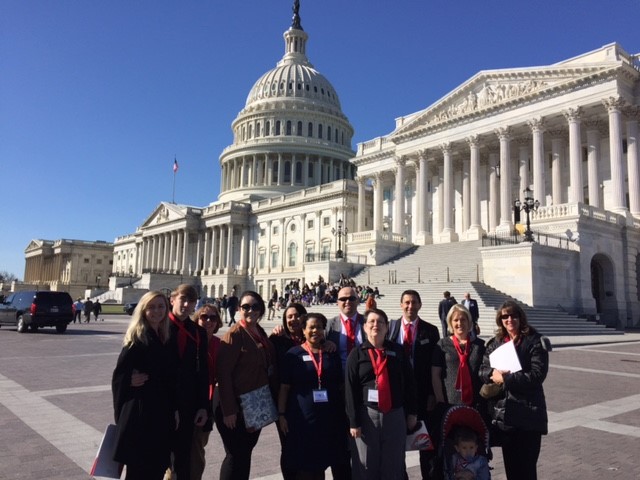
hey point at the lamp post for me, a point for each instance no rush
(529, 205)
(339, 233)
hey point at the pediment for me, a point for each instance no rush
(35, 245)
(165, 213)
(494, 89)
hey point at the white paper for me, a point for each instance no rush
(505, 358)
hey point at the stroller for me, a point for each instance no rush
(464, 417)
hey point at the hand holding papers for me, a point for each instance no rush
(505, 358)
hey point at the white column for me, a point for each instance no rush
(576, 192)
(280, 170)
(504, 135)
(222, 264)
(378, 194)
(398, 203)
(244, 241)
(361, 204)
(422, 186)
(305, 171)
(537, 130)
(475, 229)
(185, 251)
(269, 167)
(230, 230)
(213, 266)
(557, 149)
(633, 167)
(593, 159)
(165, 252)
(614, 106)
(523, 164)
(493, 190)
(466, 192)
(447, 201)
(205, 251)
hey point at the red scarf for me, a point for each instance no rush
(463, 378)
(379, 363)
(183, 335)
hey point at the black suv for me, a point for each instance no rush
(32, 309)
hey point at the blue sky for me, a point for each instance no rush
(96, 96)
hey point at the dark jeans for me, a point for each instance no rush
(238, 446)
(520, 451)
(145, 472)
(182, 441)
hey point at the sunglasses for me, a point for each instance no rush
(209, 318)
(506, 316)
(352, 298)
(250, 307)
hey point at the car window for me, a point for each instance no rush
(47, 299)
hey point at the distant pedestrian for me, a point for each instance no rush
(232, 307)
(443, 309)
(79, 308)
(97, 309)
(88, 308)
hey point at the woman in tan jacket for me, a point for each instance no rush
(246, 362)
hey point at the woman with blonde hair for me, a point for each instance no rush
(144, 392)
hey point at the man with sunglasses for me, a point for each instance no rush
(346, 328)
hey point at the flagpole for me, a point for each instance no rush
(175, 170)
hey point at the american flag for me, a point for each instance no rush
(175, 165)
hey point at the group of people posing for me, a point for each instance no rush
(347, 389)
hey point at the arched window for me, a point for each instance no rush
(277, 127)
(310, 130)
(329, 133)
(288, 127)
(250, 131)
(267, 128)
(274, 172)
(274, 257)
(258, 129)
(299, 129)
(320, 130)
(292, 252)
(337, 135)
(298, 172)
(287, 172)
(310, 252)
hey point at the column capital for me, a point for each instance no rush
(573, 114)
(632, 112)
(558, 133)
(503, 133)
(446, 148)
(473, 140)
(536, 124)
(360, 180)
(614, 104)
(422, 154)
(400, 160)
(524, 141)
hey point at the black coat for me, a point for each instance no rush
(144, 415)
(522, 405)
(427, 337)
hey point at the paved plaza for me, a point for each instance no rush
(55, 401)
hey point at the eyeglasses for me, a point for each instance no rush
(209, 318)
(506, 316)
(352, 298)
(250, 307)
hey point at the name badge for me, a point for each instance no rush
(372, 396)
(306, 358)
(320, 396)
(422, 342)
(390, 353)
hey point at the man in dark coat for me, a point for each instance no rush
(418, 338)
(443, 309)
(472, 305)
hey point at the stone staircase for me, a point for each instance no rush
(457, 267)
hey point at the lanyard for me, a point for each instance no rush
(316, 364)
(379, 362)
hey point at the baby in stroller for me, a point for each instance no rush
(465, 452)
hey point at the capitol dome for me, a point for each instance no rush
(291, 133)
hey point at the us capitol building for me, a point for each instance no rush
(297, 202)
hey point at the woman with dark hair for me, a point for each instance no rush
(144, 392)
(519, 412)
(311, 405)
(246, 362)
(380, 402)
